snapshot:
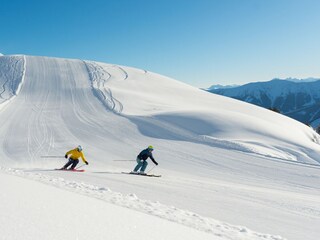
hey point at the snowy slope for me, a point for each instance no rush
(220, 158)
(180, 112)
(50, 216)
(112, 215)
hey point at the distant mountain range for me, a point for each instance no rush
(295, 98)
(218, 86)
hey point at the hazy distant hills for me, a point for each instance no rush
(296, 98)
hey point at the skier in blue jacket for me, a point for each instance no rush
(142, 160)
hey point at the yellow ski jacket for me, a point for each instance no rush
(75, 154)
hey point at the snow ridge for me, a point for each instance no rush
(131, 201)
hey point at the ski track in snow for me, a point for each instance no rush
(125, 73)
(99, 77)
(11, 77)
(40, 138)
(131, 201)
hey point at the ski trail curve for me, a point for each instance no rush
(12, 74)
(125, 73)
(99, 78)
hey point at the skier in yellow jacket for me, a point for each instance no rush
(75, 154)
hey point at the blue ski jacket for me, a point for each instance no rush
(145, 154)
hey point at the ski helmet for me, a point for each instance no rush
(150, 147)
(79, 148)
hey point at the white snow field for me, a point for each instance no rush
(230, 170)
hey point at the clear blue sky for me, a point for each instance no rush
(200, 42)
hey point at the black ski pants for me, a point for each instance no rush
(72, 162)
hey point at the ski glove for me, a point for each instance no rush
(86, 162)
(66, 156)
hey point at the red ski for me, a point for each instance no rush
(70, 170)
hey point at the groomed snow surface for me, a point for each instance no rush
(230, 170)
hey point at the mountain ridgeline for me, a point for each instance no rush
(296, 99)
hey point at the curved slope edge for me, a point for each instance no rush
(167, 109)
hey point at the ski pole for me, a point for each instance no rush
(151, 169)
(51, 156)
